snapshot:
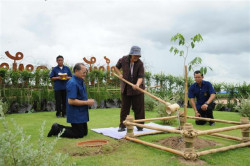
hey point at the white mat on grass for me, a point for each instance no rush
(113, 131)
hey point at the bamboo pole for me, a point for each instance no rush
(156, 146)
(189, 152)
(186, 96)
(226, 136)
(130, 128)
(245, 131)
(181, 119)
(152, 127)
(170, 107)
(153, 119)
(148, 133)
(222, 129)
(214, 120)
(223, 149)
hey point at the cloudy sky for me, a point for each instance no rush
(43, 29)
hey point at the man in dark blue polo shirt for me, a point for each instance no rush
(60, 75)
(204, 93)
(77, 106)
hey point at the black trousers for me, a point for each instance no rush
(206, 114)
(60, 96)
(137, 103)
(77, 130)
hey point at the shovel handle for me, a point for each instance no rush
(143, 91)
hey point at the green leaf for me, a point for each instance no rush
(189, 68)
(176, 51)
(171, 49)
(192, 45)
(205, 70)
(201, 70)
(181, 53)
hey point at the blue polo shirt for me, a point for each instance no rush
(202, 93)
(76, 89)
(60, 84)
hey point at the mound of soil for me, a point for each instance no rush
(178, 143)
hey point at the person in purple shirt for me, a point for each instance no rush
(60, 85)
(204, 93)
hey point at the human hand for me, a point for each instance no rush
(135, 87)
(204, 107)
(91, 102)
(121, 76)
(197, 114)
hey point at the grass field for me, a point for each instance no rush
(123, 152)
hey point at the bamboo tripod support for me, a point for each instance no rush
(189, 135)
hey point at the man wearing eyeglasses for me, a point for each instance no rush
(77, 106)
(133, 71)
(204, 93)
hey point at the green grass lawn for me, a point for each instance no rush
(123, 152)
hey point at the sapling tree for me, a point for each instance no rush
(197, 61)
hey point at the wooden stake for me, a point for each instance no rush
(214, 120)
(156, 146)
(245, 131)
(185, 95)
(130, 128)
(181, 119)
(188, 138)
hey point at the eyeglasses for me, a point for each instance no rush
(85, 72)
(197, 77)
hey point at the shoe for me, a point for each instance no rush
(212, 124)
(140, 129)
(121, 129)
(54, 130)
(58, 116)
(64, 116)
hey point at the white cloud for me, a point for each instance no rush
(80, 28)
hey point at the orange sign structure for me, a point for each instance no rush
(93, 60)
(19, 56)
(30, 67)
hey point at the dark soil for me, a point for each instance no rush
(110, 147)
(178, 144)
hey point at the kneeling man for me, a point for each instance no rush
(77, 106)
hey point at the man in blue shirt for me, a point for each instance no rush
(204, 93)
(60, 81)
(77, 106)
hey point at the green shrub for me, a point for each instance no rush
(161, 110)
(3, 108)
(244, 107)
(149, 103)
(16, 149)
